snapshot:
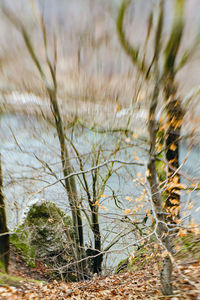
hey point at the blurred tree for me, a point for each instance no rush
(160, 74)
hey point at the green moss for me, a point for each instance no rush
(22, 245)
(122, 265)
(142, 257)
(2, 267)
(188, 246)
(44, 210)
(6, 279)
(160, 167)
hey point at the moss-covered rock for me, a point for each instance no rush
(122, 266)
(46, 235)
(141, 257)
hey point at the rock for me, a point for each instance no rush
(45, 235)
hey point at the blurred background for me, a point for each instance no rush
(97, 84)
(91, 64)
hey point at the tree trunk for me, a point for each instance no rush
(174, 121)
(70, 185)
(162, 232)
(4, 239)
(166, 276)
(97, 260)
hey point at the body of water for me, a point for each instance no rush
(31, 160)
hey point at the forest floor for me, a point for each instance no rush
(143, 282)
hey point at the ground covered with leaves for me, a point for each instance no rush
(140, 283)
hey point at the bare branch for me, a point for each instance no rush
(87, 171)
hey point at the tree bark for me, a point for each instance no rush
(4, 239)
(162, 234)
(174, 120)
(97, 260)
(166, 276)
